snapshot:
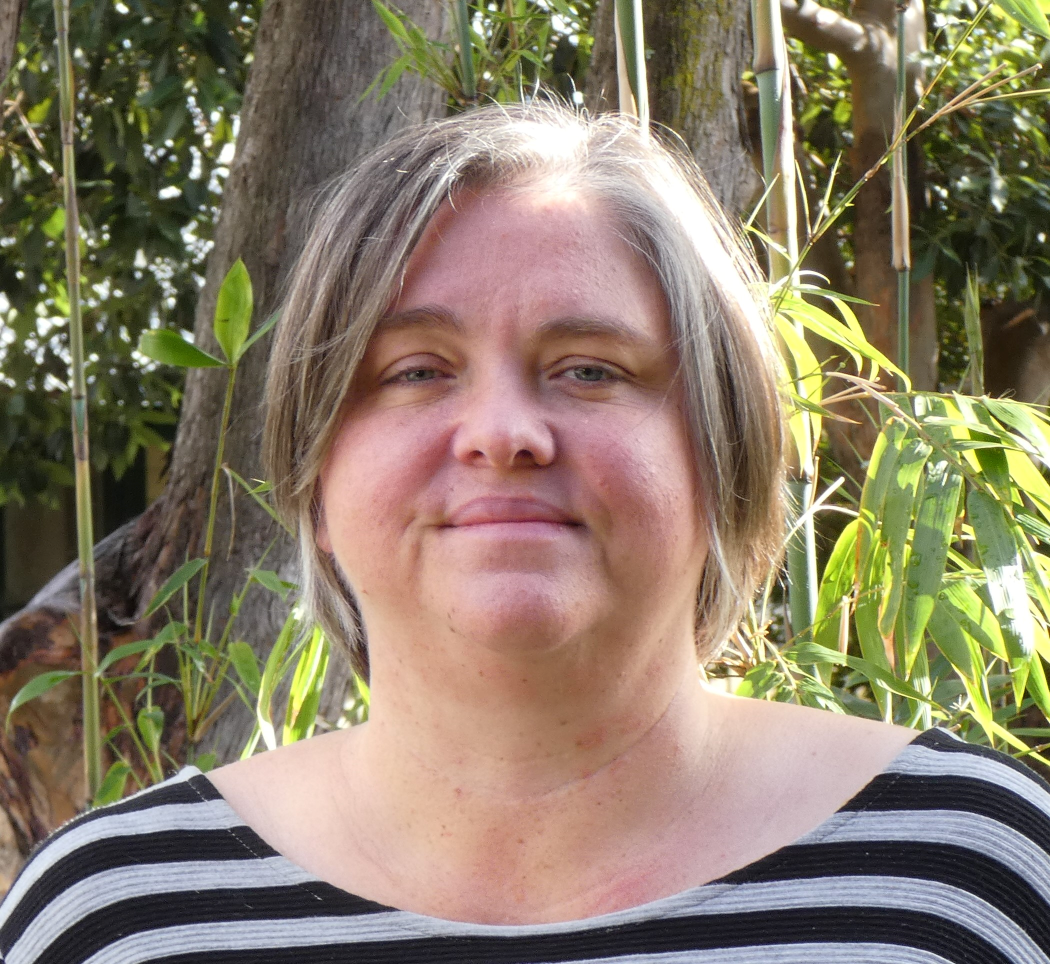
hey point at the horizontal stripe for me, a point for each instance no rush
(944, 858)
(235, 943)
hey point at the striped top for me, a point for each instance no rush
(943, 857)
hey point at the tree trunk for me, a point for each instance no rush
(10, 18)
(700, 52)
(303, 122)
(866, 42)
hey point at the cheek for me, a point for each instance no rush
(373, 484)
(648, 485)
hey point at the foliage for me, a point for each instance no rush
(517, 47)
(159, 90)
(983, 202)
(192, 655)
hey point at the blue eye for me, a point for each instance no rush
(591, 373)
(417, 375)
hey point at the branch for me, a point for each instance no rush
(823, 29)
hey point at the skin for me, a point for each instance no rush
(512, 497)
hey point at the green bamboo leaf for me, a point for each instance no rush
(273, 673)
(392, 21)
(959, 648)
(37, 686)
(1027, 477)
(1037, 686)
(872, 551)
(175, 582)
(812, 654)
(113, 785)
(128, 649)
(150, 724)
(233, 311)
(246, 664)
(997, 535)
(1028, 13)
(170, 348)
(273, 582)
(901, 495)
(255, 493)
(1021, 418)
(971, 612)
(304, 697)
(836, 583)
(934, 528)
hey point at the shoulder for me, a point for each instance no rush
(101, 868)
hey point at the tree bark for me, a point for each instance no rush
(10, 19)
(303, 122)
(699, 54)
(866, 42)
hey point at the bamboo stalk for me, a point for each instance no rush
(466, 52)
(901, 220)
(778, 161)
(630, 61)
(78, 404)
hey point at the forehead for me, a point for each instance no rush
(541, 251)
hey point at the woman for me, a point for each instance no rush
(523, 414)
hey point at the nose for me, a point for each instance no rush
(503, 425)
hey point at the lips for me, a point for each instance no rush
(494, 510)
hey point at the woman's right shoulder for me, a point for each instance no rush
(103, 857)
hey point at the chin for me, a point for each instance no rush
(518, 616)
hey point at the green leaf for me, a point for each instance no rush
(973, 615)
(959, 648)
(934, 528)
(175, 582)
(113, 785)
(260, 332)
(37, 686)
(1027, 13)
(170, 348)
(896, 526)
(836, 585)
(812, 654)
(304, 697)
(996, 535)
(150, 723)
(273, 582)
(392, 21)
(233, 312)
(206, 762)
(246, 664)
(128, 649)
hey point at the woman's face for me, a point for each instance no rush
(513, 468)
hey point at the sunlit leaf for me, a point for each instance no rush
(170, 348)
(233, 311)
(1001, 561)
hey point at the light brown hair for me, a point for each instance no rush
(354, 260)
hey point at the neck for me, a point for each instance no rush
(533, 764)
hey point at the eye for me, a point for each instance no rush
(416, 375)
(592, 374)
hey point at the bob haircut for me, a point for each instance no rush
(354, 260)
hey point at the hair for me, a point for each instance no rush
(354, 260)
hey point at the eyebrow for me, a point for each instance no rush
(572, 326)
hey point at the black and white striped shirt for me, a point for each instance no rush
(944, 857)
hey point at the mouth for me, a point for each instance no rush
(500, 510)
